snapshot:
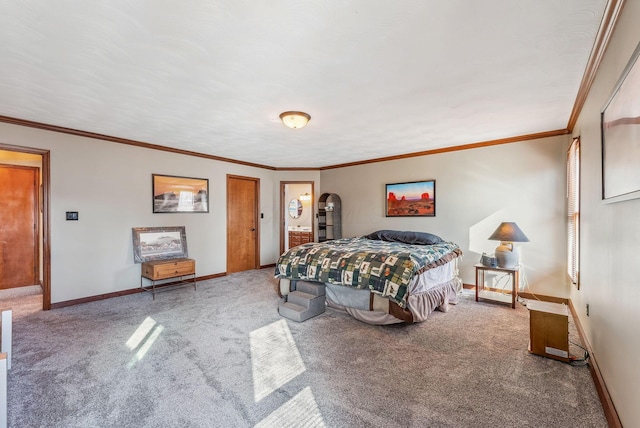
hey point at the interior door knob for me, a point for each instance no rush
(253, 229)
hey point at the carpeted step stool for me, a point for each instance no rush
(306, 301)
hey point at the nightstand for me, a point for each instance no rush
(483, 292)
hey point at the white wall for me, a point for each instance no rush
(476, 190)
(610, 237)
(109, 184)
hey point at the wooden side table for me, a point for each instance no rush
(486, 293)
(167, 269)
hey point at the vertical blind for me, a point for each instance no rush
(573, 212)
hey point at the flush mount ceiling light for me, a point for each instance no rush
(295, 119)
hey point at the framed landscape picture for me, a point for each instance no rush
(159, 243)
(413, 199)
(620, 126)
(173, 194)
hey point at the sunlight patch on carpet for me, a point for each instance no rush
(300, 411)
(275, 359)
(142, 339)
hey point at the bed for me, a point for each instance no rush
(385, 277)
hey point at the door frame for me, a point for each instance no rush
(45, 206)
(36, 217)
(256, 217)
(284, 211)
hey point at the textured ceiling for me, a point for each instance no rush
(379, 78)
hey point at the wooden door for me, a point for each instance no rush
(242, 224)
(18, 226)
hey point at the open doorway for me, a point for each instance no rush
(297, 224)
(24, 159)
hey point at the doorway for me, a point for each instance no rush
(19, 226)
(243, 244)
(15, 155)
(301, 194)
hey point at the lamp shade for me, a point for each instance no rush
(295, 119)
(508, 232)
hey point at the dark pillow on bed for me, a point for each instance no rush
(416, 238)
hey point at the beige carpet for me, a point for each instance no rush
(22, 301)
(221, 356)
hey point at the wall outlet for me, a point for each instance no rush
(587, 309)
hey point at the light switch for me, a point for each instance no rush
(72, 215)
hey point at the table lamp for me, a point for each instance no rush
(507, 233)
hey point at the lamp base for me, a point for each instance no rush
(507, 257)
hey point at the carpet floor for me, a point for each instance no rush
(221, 356)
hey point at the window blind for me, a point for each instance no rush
(573, 212)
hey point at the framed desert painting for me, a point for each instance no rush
(173, 194)
(413, 199)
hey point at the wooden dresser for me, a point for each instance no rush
(298, 238)
(158, 270)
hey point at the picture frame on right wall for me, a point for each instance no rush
(620, 128)
(411, 199)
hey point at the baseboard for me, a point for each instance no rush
(215, 275)
(544, 298)
(272, 265)
(97, 297)
(607, 404)
(603, 393)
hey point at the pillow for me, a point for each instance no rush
(416, 238)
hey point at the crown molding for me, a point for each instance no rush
(455, 148)
(70, 131)
(77, 132)
(608, 24)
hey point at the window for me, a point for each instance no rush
(573, 212)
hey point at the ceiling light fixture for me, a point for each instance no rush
(295, 119)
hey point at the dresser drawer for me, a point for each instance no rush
(163, 269)
(298, 238)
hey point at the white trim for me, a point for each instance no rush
(5, 347)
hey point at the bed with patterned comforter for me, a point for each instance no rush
(376, 280)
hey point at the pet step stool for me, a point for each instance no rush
(306, 301)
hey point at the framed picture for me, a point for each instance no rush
(620, 126)
(414, 199)
(172, 194)
(159, 243)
